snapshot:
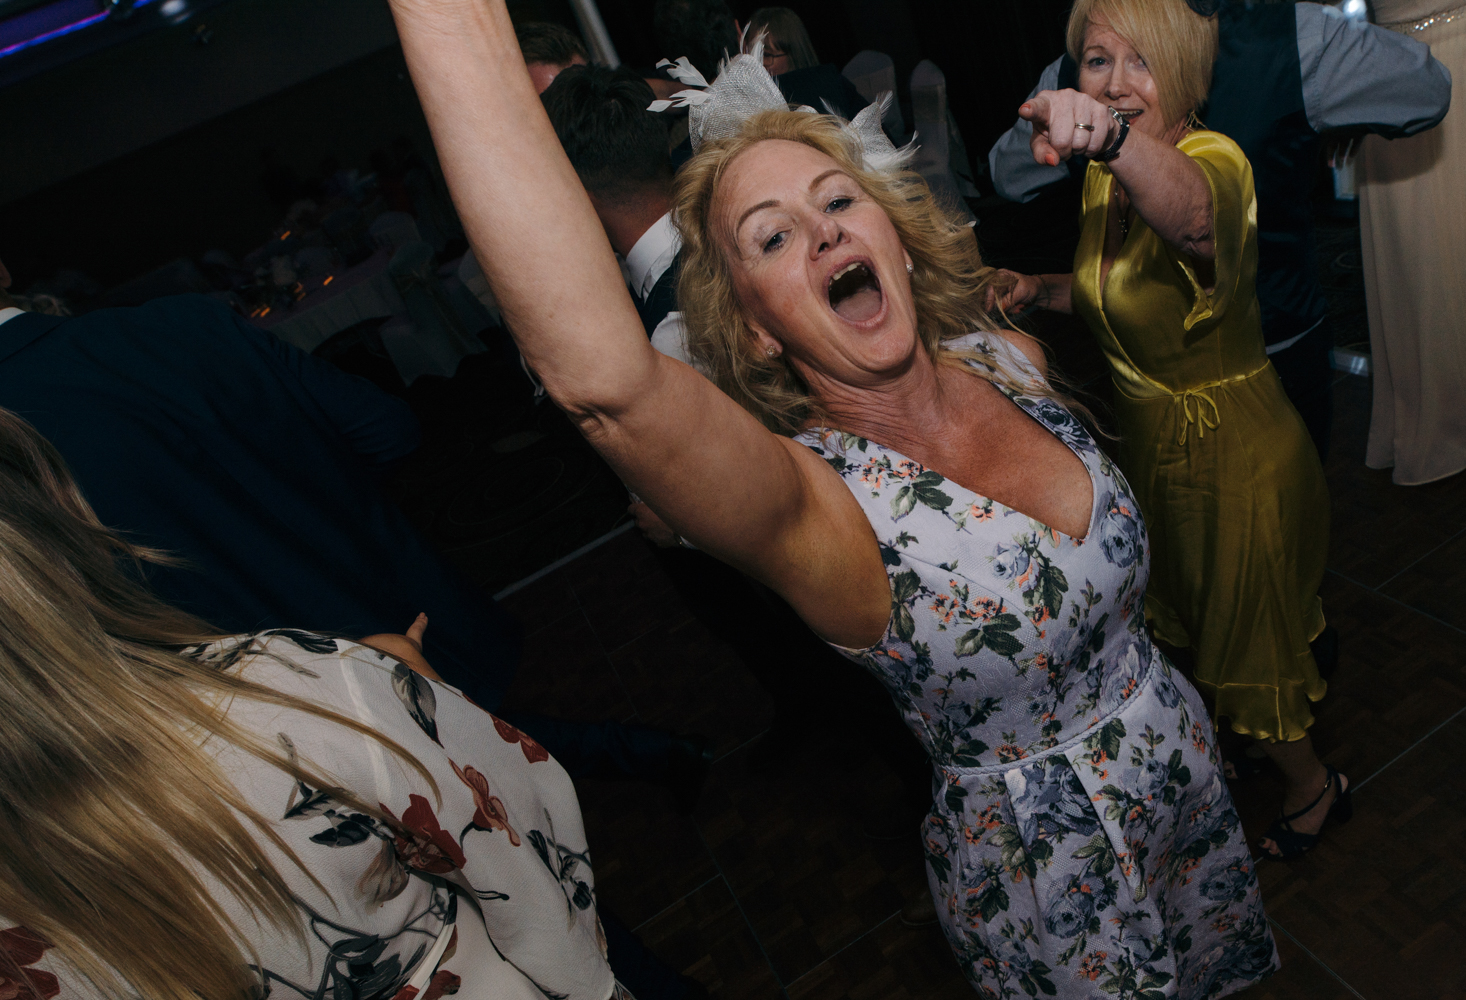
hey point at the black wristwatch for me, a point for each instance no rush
(1113, 149)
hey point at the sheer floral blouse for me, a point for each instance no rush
(490, 893)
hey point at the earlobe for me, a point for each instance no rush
(765, 344)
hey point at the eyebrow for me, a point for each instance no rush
(774, 202)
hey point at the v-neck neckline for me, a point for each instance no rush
(1094, 485)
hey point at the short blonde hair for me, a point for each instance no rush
(949, 283)
(1178, 45)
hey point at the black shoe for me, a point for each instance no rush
(1326, 651)
(688, 760)
(1292, 844)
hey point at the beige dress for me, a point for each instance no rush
(1412, 208)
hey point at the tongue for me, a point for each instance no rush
(860, 306)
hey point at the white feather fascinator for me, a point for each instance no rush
(744, 88)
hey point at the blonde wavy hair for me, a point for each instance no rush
(1179, 46)
(111, 811)
(949, 284)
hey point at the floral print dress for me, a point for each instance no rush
(484, 889)
(1081, 841)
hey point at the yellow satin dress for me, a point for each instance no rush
(1228, 480)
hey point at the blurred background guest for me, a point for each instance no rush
(1284, 74)
(619, 151)
(549, 49)
(790, 58)
(1412, 215)
(1231, 489)
(338, 790)
(702, 30)
(706, 32)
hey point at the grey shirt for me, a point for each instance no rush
(1355, 74)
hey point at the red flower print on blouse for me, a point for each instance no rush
(443, 984)
(533, 752)
(431, 848)
(23, 947)
(489, 813)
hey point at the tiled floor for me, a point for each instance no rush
(772, 888)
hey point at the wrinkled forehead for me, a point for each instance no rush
(773, 169)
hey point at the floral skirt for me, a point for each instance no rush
(1111, 864)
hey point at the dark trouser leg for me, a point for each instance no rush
(1308, 380)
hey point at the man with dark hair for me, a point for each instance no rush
(548, 49)
(619, 150)
(706, 33)
(702, 30)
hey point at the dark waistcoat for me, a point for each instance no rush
(662, 299)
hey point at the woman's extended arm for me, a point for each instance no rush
(1169, 191)
(705, 465)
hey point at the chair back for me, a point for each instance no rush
(929, 114)
(346, 229)
(873, 74)
(431, 338)
(394, 230)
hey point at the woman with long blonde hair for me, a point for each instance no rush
(187, 815)
(1221, 462)
(883, 454)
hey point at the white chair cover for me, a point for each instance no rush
(873, 74)
(933, 158)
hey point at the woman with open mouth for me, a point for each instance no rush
(875, 448)
(1226, 474)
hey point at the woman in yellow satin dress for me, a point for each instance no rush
(1228, 480)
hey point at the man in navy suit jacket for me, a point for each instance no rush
(261, 466)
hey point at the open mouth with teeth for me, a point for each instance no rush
(855, 292)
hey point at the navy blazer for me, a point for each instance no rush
(195, 432)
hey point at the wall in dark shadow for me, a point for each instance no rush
(150, 151)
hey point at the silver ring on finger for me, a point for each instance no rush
(1087, 128)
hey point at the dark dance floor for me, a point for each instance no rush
(772, 888)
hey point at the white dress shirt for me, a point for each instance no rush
(651, 256)
(9, 314)
(643, 267)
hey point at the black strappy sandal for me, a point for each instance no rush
(1293, 844)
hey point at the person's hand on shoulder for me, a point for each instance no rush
(1014, 294)
(406, 649)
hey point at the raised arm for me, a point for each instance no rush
(1167, 189)
(710, 470)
